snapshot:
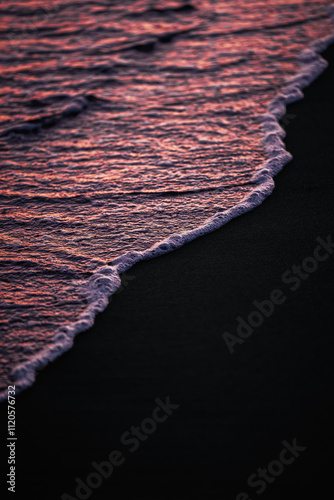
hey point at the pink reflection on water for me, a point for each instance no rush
(165, 134)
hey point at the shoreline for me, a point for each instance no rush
(162, 336)
(311, 66)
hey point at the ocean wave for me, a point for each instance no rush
(105, 281)
(76, 106)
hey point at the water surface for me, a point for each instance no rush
(120, 125)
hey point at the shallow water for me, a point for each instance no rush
(123, 124)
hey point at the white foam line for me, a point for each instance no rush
(106, 280)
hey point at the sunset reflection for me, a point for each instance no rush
(121, 126)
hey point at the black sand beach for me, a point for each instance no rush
(163, 336)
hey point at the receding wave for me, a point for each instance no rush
(159, 126)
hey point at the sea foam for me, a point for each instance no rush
(106, 280)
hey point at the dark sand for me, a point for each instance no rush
(162, 336)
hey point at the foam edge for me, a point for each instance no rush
(106, 280)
